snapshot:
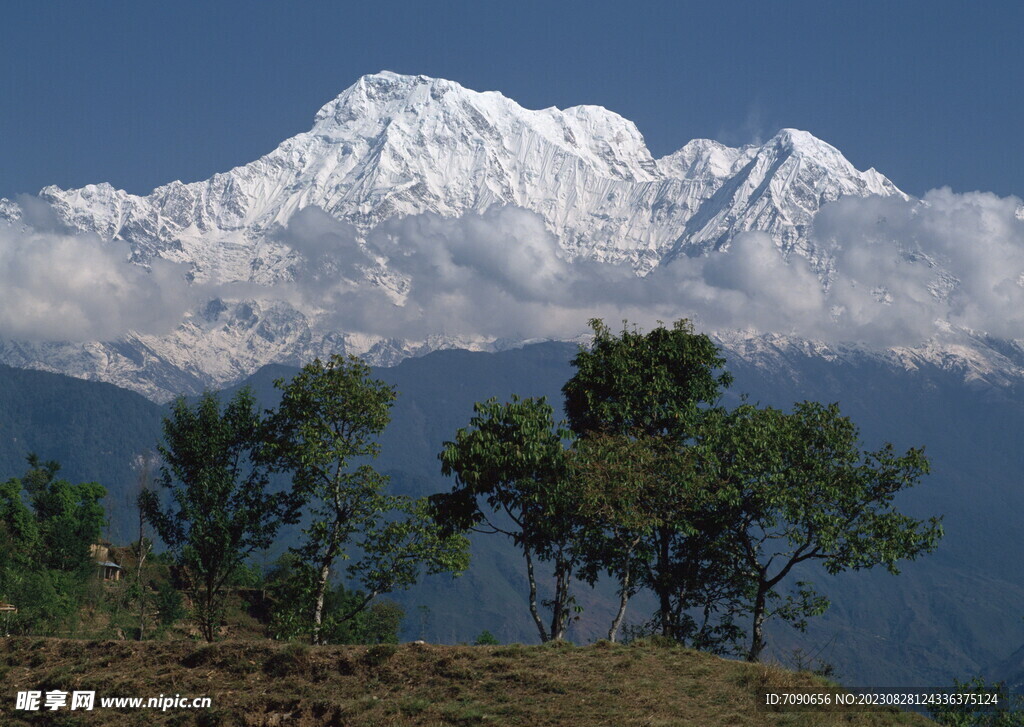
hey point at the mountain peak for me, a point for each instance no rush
(391, 146)
(387, 92)
(798, 139)
(806, 145)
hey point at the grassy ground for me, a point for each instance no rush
(265, 684)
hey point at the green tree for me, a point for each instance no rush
(622, 486)
(647, 394)
(652, 522)
(803, 490)
(290, 582)
(486, 638)
(46, 527)
(69, 516)
(653, 384)
(19, 530)
(324, 431)
(168, 604)
(220, 509)
(513, 459)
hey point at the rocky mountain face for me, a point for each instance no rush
(394, 146)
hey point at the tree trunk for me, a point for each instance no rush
(664, 587)
(323, 580)
(208, 617)
(757, 639)
(143, 552)
(143, 480)
(560, 606)
(318, 600)
(623, 600)
(533, 597)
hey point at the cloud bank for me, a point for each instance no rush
(57, 286)
(886, 272)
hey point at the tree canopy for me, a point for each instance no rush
(46, 527)
(801, 488)
(650, 383)
(641, 398)
(219, 510)
(659, 486)
(324, 432)
(512, 458)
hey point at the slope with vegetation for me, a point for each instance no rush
(946, 616)
(267, 685)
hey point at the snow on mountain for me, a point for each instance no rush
(399, 145)
(392, 146)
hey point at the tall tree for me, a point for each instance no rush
(69, 516)
(512, 458)
(803, 490)
(641, 388)
(145, 465)
(220, 510)
(324, 431)
(652, 522)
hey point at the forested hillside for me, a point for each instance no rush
(94, 430)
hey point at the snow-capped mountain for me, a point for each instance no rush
(393, 146)
(400, 145)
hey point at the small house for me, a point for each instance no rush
(109, 570)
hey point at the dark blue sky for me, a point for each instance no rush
(139, 94)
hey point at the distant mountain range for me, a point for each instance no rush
(393, 148)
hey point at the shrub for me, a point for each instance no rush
(486, 638)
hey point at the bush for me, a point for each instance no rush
(168, 604)
(486, 638)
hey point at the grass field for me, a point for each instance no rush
(266, 684)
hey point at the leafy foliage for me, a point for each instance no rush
(512, 458)
(328, 421)
(801, 489)
(653, 525)
(636, 383)
(636, 402)
(168, 604)
(486, 638)
(712, 509)
(46, 527)
(220, 510)
(291, 583)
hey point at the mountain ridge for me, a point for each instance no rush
(393, 147)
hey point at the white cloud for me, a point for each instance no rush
(59, 286)
(892, 270)
(903, 266)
